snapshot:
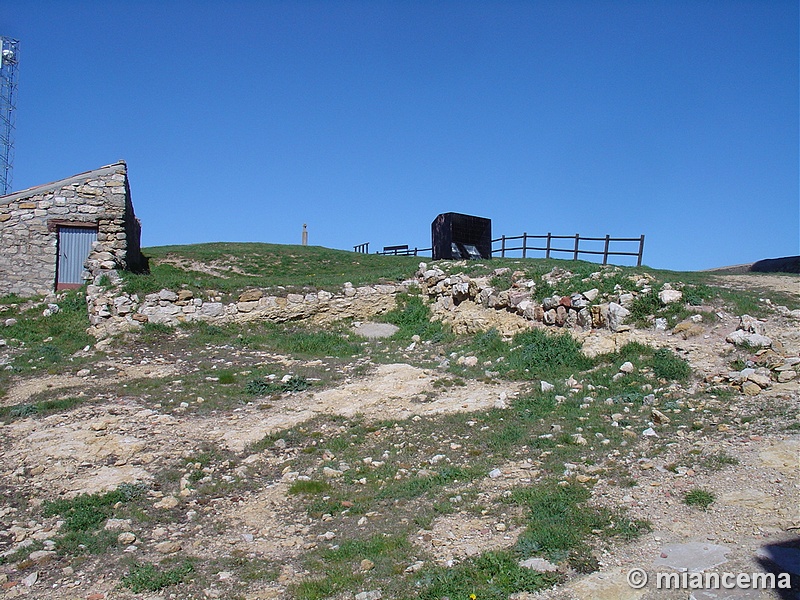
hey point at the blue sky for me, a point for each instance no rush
(240, 120)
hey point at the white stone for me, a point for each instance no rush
(742, 338)
(669, 296)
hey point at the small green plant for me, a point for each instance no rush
(148, 577)
(644, 306)
(738, 364)
(699, 498)
(718, 461)
(155, 331)
(87, 510)
(502, 282)
(696, 295)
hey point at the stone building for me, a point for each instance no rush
(63, 234)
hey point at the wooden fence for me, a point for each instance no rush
(548, 248)
(575, 250)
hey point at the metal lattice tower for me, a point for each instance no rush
(9, 59)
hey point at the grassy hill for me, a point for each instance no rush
(230, 267)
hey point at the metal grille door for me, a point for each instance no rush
(74, 245)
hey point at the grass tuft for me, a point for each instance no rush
(700, 498)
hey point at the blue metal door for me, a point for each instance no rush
(74, 245)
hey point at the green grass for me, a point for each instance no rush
(147, 577)
(341, 565)
(533, 354)
(268, 266)
(560, 522)
(403, 489)
(718, 461)
(293, 339)
(413, 317)
(21, 554)
(260, 387)
(668, 366)
(309, 487)
(48, 343)
(700, 498)
(489, 576)
(84, 515)
(43, 408)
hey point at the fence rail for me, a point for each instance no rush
(403, 251)
(548, 248)
(575, 250)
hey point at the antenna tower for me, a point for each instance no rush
(9, 59)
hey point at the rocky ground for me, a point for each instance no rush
(127, 426)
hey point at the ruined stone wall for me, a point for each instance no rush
(29, 222)
(112, 311)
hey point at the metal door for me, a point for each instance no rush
(74, 245)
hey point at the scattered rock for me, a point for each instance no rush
(538, 564)
(168, 547)
(167, 503)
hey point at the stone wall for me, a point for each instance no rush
(467, 304)
(112, 312)
(472, 304)
(29, 222)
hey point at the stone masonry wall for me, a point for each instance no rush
(467, 304)
(29, 223)
(112, 312)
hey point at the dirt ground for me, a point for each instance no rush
(121, 438)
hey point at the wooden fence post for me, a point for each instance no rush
(641, 251)
(547, 254)
(524, 243)
(503, 247)
(605, 250)
(577, 242)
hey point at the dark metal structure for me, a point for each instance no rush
(457, 236)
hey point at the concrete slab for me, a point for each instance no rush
(374, 331)
(732, 594)
(694, 557)
(604, 585)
